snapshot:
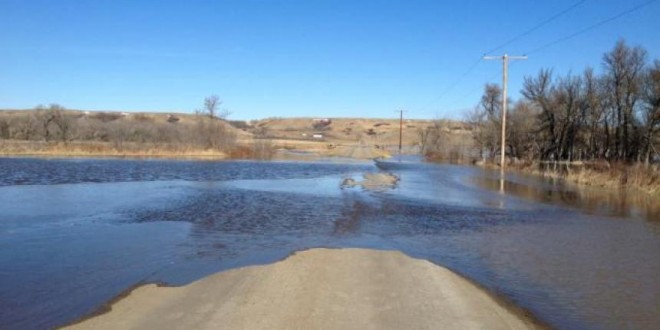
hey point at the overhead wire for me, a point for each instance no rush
(476, 63)
(545, 46)
(582, 31)
(453, 85)
(474, 90)
(537, 26)
(591, 27)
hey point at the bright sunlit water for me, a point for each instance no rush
(76, 233)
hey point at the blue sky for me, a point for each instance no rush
(295, 58)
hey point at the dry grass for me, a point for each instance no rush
(101, 149)
(259, 149)
(637, 177)
(344, 130)
(113, 133)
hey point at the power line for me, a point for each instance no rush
(453, 85)
(545, 46)
(582, 31)
(536, 27)
(480, 87)
(474, 65)
(593, 26)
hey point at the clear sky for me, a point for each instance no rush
(296, 58)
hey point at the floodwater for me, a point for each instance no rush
(75, 233)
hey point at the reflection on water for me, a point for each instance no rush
(349, 220)
(607, 202)
(69, 244)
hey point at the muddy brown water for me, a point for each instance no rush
(75, 233)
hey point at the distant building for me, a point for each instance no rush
(325, 121)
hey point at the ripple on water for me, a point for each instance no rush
(177, 221)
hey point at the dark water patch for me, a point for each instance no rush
(252, 212)
(33, 171)
(249, 212)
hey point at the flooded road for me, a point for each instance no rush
(75, 233)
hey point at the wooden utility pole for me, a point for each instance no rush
(400, 130)
(505, 67)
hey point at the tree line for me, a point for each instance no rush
(613, 115)
(208, 128)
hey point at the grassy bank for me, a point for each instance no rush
(637, 177)
(101, 149)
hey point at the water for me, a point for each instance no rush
(75, 233)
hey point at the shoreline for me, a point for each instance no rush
(280, 155)
(587, 179)
(78, 150)
(172, 156)
(333, 288)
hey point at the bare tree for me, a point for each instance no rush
(54, 122)
(491, 107)
(491, 101)
(423, 134)
(624, 69)
(440, 141)
(522, 131)
(62, 122)
(212, 108)
(538, 91)
(4, 129)
(45, 117)
(25, 127)
(477, 121)
(596, 126)
(212, 129)
(567, 103)
(651, 110)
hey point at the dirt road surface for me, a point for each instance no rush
(317, 289)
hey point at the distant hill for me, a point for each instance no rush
(349, 137)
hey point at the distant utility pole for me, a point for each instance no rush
(400, 130)
(505, 67)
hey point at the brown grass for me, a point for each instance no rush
(344, 130)
(103, 149)
(638, 176)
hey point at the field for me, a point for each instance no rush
(112, 133)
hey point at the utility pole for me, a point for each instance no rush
(505, 67)
(400, 130)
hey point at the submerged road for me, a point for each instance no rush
(75, 233)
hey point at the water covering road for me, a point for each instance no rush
(75, 233)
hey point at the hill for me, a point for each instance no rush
(59, 131)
